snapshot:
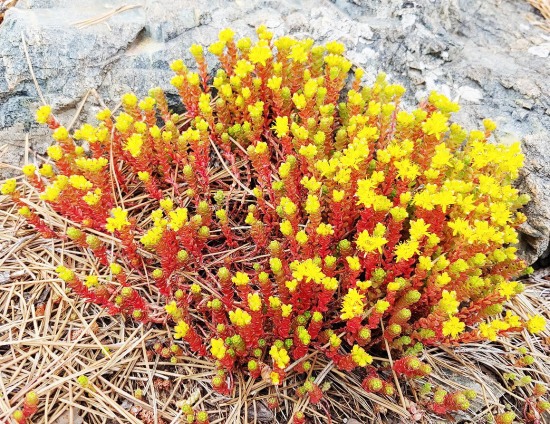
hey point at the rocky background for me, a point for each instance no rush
(491, 55)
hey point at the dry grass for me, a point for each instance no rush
(48, 339)
(543, 6)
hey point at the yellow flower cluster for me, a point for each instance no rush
(118, 221)
(280, 356)
(357, 209)
(240, 318)
(352, 305)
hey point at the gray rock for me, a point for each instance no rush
(541, 51)
(498, 67)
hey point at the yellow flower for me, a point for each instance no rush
(274, 302)
(178, 218)
(118, 221)
(24, 211)
(448, 302)
(124, 122)
(275, 378)
(226, 35)
(240, 279)
(418, 229)
(263, 33)
(309, 151)
(47, 170)
(425, 263)
(436, 124)
(240, 318)
(103, 115)
(79, 182)
(92, 198)
(335, 47)
(311, 184)
(260, 53)
(274, 83)
(217, 48)
(9, 186)
(335, 341)
(91, 164)
(536, 324)
(91, 281)
(193, 78)
(404, 118)
(115, 268)
(129, 100)
(394, 286)
(173, 310)
(254, 302)
(324, 229)
(330, 283)
(364, 285)
(243, 68)
(286, 228)
(299, 100)
(381, 306)
(288, 206)
(196, 50)
(65, 273)
(218, 349)
(29, 170)
(487, 331)
(338, 195)
(280, 356)
(453, 327)
(60, 134)
(360, 356)
(443, 279)
(301, 237)
(507, 289)
(261, 148)
(152, 237)
(513, 320)
(144, 176)
(441, 157)
(307, 270)
(406, 170)
(298, 53)
(43, 113)
(55, 152)
(399, 213)
(367, 243)
(352, 304)
(134, 145)
(406, 250)
(353, 263)
(181, 330)
(441, 102)
(286, 310)
(312, 205)
(147, 104)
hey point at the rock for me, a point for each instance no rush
(535, 180)
(498, 67)
(541, 51)
(470, 94)
(258, 412)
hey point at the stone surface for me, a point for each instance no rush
(491, 55)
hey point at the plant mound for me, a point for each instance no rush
(282, 213)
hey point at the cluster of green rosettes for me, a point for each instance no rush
(293, 215)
